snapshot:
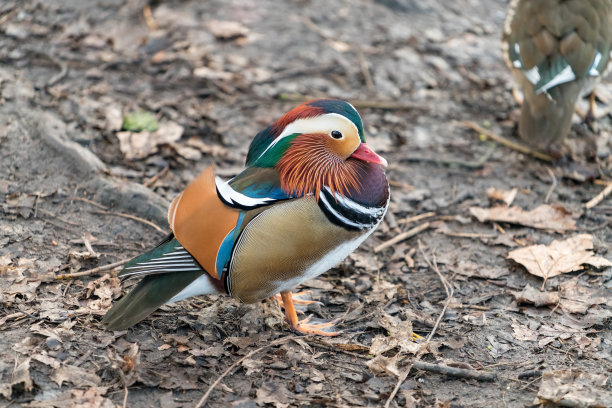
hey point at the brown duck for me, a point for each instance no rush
(556, 50)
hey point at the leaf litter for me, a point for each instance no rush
(545, 216)
(569, 255)
(207, 80)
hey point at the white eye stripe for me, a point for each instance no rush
(324, 123)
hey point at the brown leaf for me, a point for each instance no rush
(576, 298)
(369, 262)
(21, 375)
(91, 397)
(381, 291)
(559, 257)
(399, 335)
(74, 375)
(272, 393)
(536, 297)
(507, 196)
(227, 30)
(523, 333)
(384, 365)
(571, 388)
(138, 145)
(551, 217)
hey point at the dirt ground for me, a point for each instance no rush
(71, 70)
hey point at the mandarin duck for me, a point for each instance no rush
(311, 193)
(556, 50)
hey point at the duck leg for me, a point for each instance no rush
(296, 298)
(303, 326)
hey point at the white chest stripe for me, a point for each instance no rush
(339, 216)
(355, 206)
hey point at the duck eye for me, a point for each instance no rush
(336, 134)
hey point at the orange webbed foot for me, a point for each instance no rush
(303, 326)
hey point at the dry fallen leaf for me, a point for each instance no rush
(366, 261)
(227, 30)
(507, 196)
(274, 393)
(21, 375)
(91, 397)
(75, 375)
(381, 365)
(523, 333)
(138, 145)
(536, 297)
(551, 217)
(576, 298)
(571, 388)
(399, 335)
(559, 257)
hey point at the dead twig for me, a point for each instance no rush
(467, 234)
(237, 363)
(365, 71)
(125, 395)
(400, 380)
(599, 197)
(336, 45)
(508, 143)
(156, 177)
(410, 220)
(401, 185)
(85, 200)
(93, 271)
(455, 371)
(552, 186)
(447, 288)
(57, 217)
(148, 18)
(10, 317)
(404, 235)
(131, 217)
(419, 364)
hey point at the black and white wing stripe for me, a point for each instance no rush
(236, 199)
(177, 260)
(348, 213)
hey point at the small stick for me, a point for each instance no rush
(506, 142)
(467, 234)
(552, 186)
(125, 395)
(148, 18)
(601, 182)
(599, 197)
(447, 288)
(229, 370)
(400, 380)
(416, 363)
(10, 317)
(93, 271)
(454, 371)
(404, 235)
(131, 217)
(57, 217)
(399, 184)
(365, 71)
(156, 177)
(419, 217)
(85, 200)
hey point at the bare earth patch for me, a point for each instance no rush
(78, 192)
